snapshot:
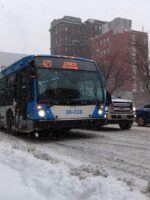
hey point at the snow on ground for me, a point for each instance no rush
(26, 176)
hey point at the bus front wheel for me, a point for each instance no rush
(10, 122)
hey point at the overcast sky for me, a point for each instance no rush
(24, 24)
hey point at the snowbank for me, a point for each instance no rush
(24, 176)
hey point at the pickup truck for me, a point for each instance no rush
(121, 112)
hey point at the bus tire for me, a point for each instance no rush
(10, 122)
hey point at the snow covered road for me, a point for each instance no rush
(106, 164)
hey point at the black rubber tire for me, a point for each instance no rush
(125, 126)
(10, 122)
(140, 121)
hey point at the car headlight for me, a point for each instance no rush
(106, 108)
(39, 107)
(134, 108)
(41, 113)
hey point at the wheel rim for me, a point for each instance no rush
(140, 121)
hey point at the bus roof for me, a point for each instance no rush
(22, 63)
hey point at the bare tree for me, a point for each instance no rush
(139, 60)
(114, 72)
(143, 68)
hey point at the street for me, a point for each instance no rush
(105, 152)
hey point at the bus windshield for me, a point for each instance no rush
(63, 87)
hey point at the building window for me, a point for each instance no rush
(145, 40)
(134, 85)
(104, 41)
(133, 38)
(141, 87)
(133, 51)
(134, 70)
(134, 60)
(100, 28)
(108, 51)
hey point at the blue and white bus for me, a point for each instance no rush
(45, 93)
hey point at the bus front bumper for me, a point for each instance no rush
(67, 124)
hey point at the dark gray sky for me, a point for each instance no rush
(25, 23)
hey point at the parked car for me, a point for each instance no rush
(143, 115)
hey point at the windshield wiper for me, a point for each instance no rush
(69, 101)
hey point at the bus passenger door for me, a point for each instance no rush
(21, 99)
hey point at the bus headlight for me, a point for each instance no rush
(41, 113)
(100, 111)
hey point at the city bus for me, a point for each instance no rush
(42, 93)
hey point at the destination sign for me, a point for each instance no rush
(70, 65)
(47, 63)
(64, 63)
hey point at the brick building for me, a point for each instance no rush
(70, 36)
(113, 45)
(116, 51)
(66, 36)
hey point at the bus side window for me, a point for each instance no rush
(30, 89)
(22, 81)
(32, 69)
(2, 92)
(31, 74)
(21, 91)
(10, 89)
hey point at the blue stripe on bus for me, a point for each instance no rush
(33, 112)
(95, 113)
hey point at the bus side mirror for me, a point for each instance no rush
(108, 98)
(32, 70)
